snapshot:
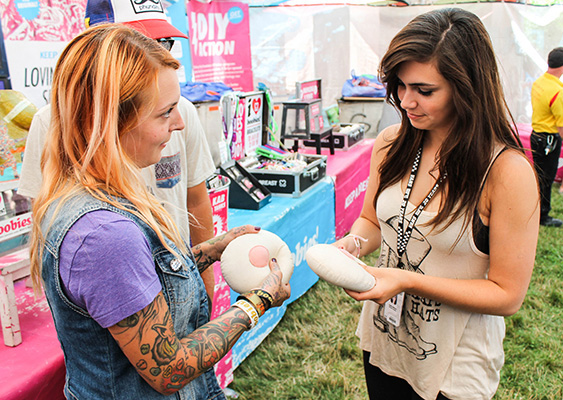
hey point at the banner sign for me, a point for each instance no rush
(15, 226)
(176, 14)
(220, 42)
(219, 198)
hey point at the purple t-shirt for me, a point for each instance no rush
(107, 267)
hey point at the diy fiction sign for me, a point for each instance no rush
(220, 43)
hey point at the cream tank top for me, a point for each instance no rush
(436, 348)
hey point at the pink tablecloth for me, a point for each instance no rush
(34, 370)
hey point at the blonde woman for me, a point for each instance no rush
(129, 305)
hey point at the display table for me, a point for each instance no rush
(34, 369)
(350, 172)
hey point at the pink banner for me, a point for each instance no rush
(220, 42)
(222, 297)
(42, 20)
(350, 171)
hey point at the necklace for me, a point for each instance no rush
(404, 234)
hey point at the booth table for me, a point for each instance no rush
(33, 370)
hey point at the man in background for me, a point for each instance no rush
(179, 178)
(547, 125)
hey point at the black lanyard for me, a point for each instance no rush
(404, 237)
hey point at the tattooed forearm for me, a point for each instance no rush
(166, 361)
(208, 252)
(211, 342)
(203, 260)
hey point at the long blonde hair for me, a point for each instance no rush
(104, 80)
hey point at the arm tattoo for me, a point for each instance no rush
(208, 252)
(164, 360)
(202, 260)
(211, 342)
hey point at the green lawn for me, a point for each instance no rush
(313, 352)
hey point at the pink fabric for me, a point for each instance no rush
(35, 369)
(350, 171)
(222, 296)
(525, 130)
(221, 303)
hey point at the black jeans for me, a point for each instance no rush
(384, 387)
(545, 165)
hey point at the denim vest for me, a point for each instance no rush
(96, 368)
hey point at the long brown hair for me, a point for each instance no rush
(459, 45)
(104, 80)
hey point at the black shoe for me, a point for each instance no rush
(550, 221)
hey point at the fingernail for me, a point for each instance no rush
(274, 260)
(257, 228)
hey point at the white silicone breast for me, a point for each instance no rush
(335, 267)
(244, 262)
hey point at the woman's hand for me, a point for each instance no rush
(389, 283)
(274, 286)
(208, 252)
(220, 242)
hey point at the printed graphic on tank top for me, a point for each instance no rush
(400, 324)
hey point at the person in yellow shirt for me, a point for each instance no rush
(547, 125)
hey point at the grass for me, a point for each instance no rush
(313, 353)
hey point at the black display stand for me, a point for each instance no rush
(304, 125)
(245, 191)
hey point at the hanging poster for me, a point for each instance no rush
(176, 13)
(220, 42)
(35, 32)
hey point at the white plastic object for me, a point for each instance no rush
(245, 261)
(339, 268)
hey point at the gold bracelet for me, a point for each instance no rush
(255, 300)
(265, 296)
(245, 306)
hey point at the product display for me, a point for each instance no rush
(290, 176)
(245, 191)
(339, 268)
(345, 136)
(244, 262)
(303, 120)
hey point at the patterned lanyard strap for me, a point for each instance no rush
(404, 237)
